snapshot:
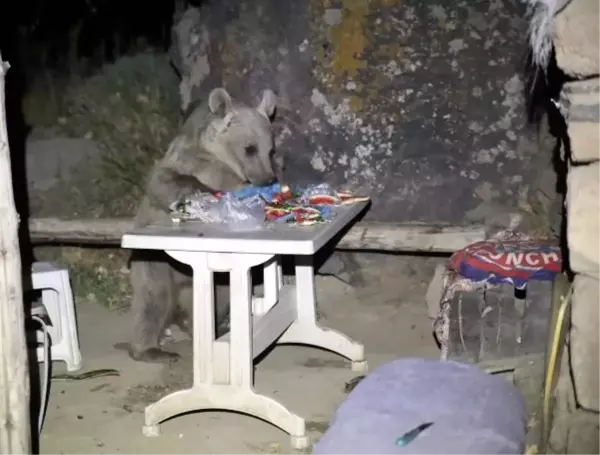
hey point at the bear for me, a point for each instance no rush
(222, 145)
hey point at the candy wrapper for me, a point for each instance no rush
(249, 207)
(308, 205)
(324, 194)
(319, 194)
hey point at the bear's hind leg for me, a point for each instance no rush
(152, 308)
(185, 297)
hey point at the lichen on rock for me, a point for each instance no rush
(414, 102)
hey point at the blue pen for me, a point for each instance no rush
(409, 436)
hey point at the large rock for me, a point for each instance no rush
(418, 103)
(583, 213)
(577, 38)
(582, 112)
(584, 342)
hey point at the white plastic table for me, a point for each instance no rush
(223, 368)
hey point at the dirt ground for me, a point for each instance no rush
(105, 415)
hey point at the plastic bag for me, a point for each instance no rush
(235, 213)
(241, 214)
(200, 206)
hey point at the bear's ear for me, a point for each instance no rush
(219, 102)
(267, 104)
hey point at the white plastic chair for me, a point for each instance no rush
(57, 299)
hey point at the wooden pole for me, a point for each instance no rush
(388, 237)
(15, 426)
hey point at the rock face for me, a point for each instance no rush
(583, 216)
(419, 103)
(577, 36)
(580, 106)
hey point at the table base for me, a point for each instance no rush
(223, 368)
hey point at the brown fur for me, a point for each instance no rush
(222, 146)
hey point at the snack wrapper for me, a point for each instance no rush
(508, 261)
(252, 205)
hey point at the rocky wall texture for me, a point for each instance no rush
(576, 40)
(582, 219)
(582, 111)
(419, 103)
(579, 103)
(575, 35)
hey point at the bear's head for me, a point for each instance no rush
(242, 136)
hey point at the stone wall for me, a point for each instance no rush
(576, 39)
(419, 103)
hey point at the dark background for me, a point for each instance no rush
(40, 38)
(77, 36)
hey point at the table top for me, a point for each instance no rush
(273, 239)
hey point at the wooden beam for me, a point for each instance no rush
(107, 231)
(410, 237)
(390, 237)
(15, 426)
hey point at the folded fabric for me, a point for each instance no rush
(469, 410)
(508, 261)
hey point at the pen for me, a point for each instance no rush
(409, 436)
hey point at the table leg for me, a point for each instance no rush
(272, 285)
(209, 390)
(305, 329)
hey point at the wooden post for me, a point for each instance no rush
(15, 426)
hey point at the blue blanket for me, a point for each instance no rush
(472, 412)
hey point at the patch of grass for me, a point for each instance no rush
(130, 108)
(41, 103)
(99, 276)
